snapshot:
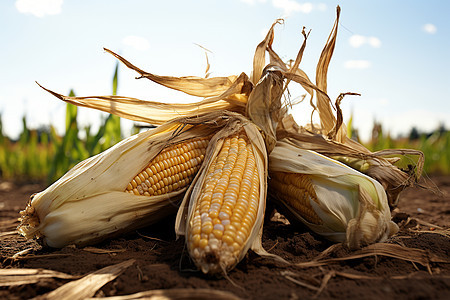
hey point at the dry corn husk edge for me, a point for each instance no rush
(191, 197)
(328, 122)
(158, 113)
(89, 203)
(265, 107)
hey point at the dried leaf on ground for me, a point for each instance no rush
(89, 284)
(380, 249)
(13, 277)
(178, 294)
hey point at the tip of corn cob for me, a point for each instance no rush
(215, 258)
(372, 227)
(29, 221)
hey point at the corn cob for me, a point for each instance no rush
(171, 170)
(93, 201)
(331, 198)
(298, 191)
(228, 205)
(227, 202)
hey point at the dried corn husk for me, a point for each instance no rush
(89, 203)
(352, 206)
(264, 106)
(191, 85)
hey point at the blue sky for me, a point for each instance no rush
(394, 53)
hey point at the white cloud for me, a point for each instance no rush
(374, 42)
(290, 6)
(383, 101)
(357, 41)
(305, 7)
(357, 64)
(137, 42)
(39, 8)
(322, 6)
(429, 28)
(253, 1)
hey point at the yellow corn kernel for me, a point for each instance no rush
(297, 191)
(159, 176)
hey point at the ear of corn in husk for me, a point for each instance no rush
(135, 183)
(353, 207)
(222, 213)
(330, 198)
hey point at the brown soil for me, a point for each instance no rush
(162, 263)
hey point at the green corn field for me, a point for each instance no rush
(43, 155)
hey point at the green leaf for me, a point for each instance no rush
(25, 135)
(115, 79)
(71, 113)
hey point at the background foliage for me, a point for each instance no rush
(42, 154)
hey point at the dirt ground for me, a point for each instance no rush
(162, 262)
